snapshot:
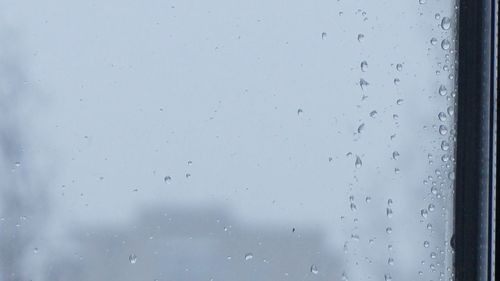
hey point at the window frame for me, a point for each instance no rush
(475, 183)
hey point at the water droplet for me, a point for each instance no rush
(437, 16)
(368, 199)
(363, 83)
(431, 207)
(450, 110)
(132, 258)
(433, 255)
(396, 81)
(399, 101)
(389, 212)
(426, 244)
(446, 23)
(399, 67)
(167, 179)
(429, 226)
(445, 44)
(373, 114)
(299, 111)
(188, 175)
(445, 145)
(364, 66)
(442, 90)
(314, 269)
(443, 130)
(358, 162)
(388, 277)
(422, 1)
(323, 35)
(190, 163)
(17, 164)
(395, 155)
(423, 213)
(434, 190)
(248, 256)
(353, 207)
(442, 116)
(35, 251)
(434, 41)
(361, 127)
(361, 37)
(388, 230)
(390, 261)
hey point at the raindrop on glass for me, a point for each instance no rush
(445, 44)
(446, 23)
(358, 162)
(442, 116)
(314, 269)
(248, 256)
(132, 258)
(442, 90)
(364, 66)
(167, 179)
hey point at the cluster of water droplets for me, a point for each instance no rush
(440, 180)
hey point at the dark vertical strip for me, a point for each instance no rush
(474, 188)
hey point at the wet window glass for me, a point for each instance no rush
(227, 140)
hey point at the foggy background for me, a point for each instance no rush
(222, 140)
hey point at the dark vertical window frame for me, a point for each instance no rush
(474, 194)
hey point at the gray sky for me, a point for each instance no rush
(263, 97)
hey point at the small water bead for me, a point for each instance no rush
(389, 212)
(368, 199)
(388, 230)
(358, 162)
(443, 130)
(390, 261)
(446, 23)
(442, 90)
(431, 207)
(388, 277)
(445, 44)
(363, 83)
(399, 67)
(353, 207)
(399, 101)
(389, 202)
(442, 116)
(373, 114)
(445, 158)
(397, 170)
(426, 244)
(445, 145)
(422, 1)
(190, 163)
(188, 175)
(429, 226)
(35, 251)
(396, 81)
(132, 259)
(248, 256)
(323, 35)
(451, 175)
(395, 155)
(450, 110)
(360, 128)
(437, 16)
(434, 190)
(361, 37)
(423, 213)
(299, 111)
(314, 269)
(364, 66)
(167, 179)
(434, 40)
(433, 255)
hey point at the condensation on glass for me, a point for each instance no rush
(227, 140)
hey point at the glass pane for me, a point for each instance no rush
(227, 140)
